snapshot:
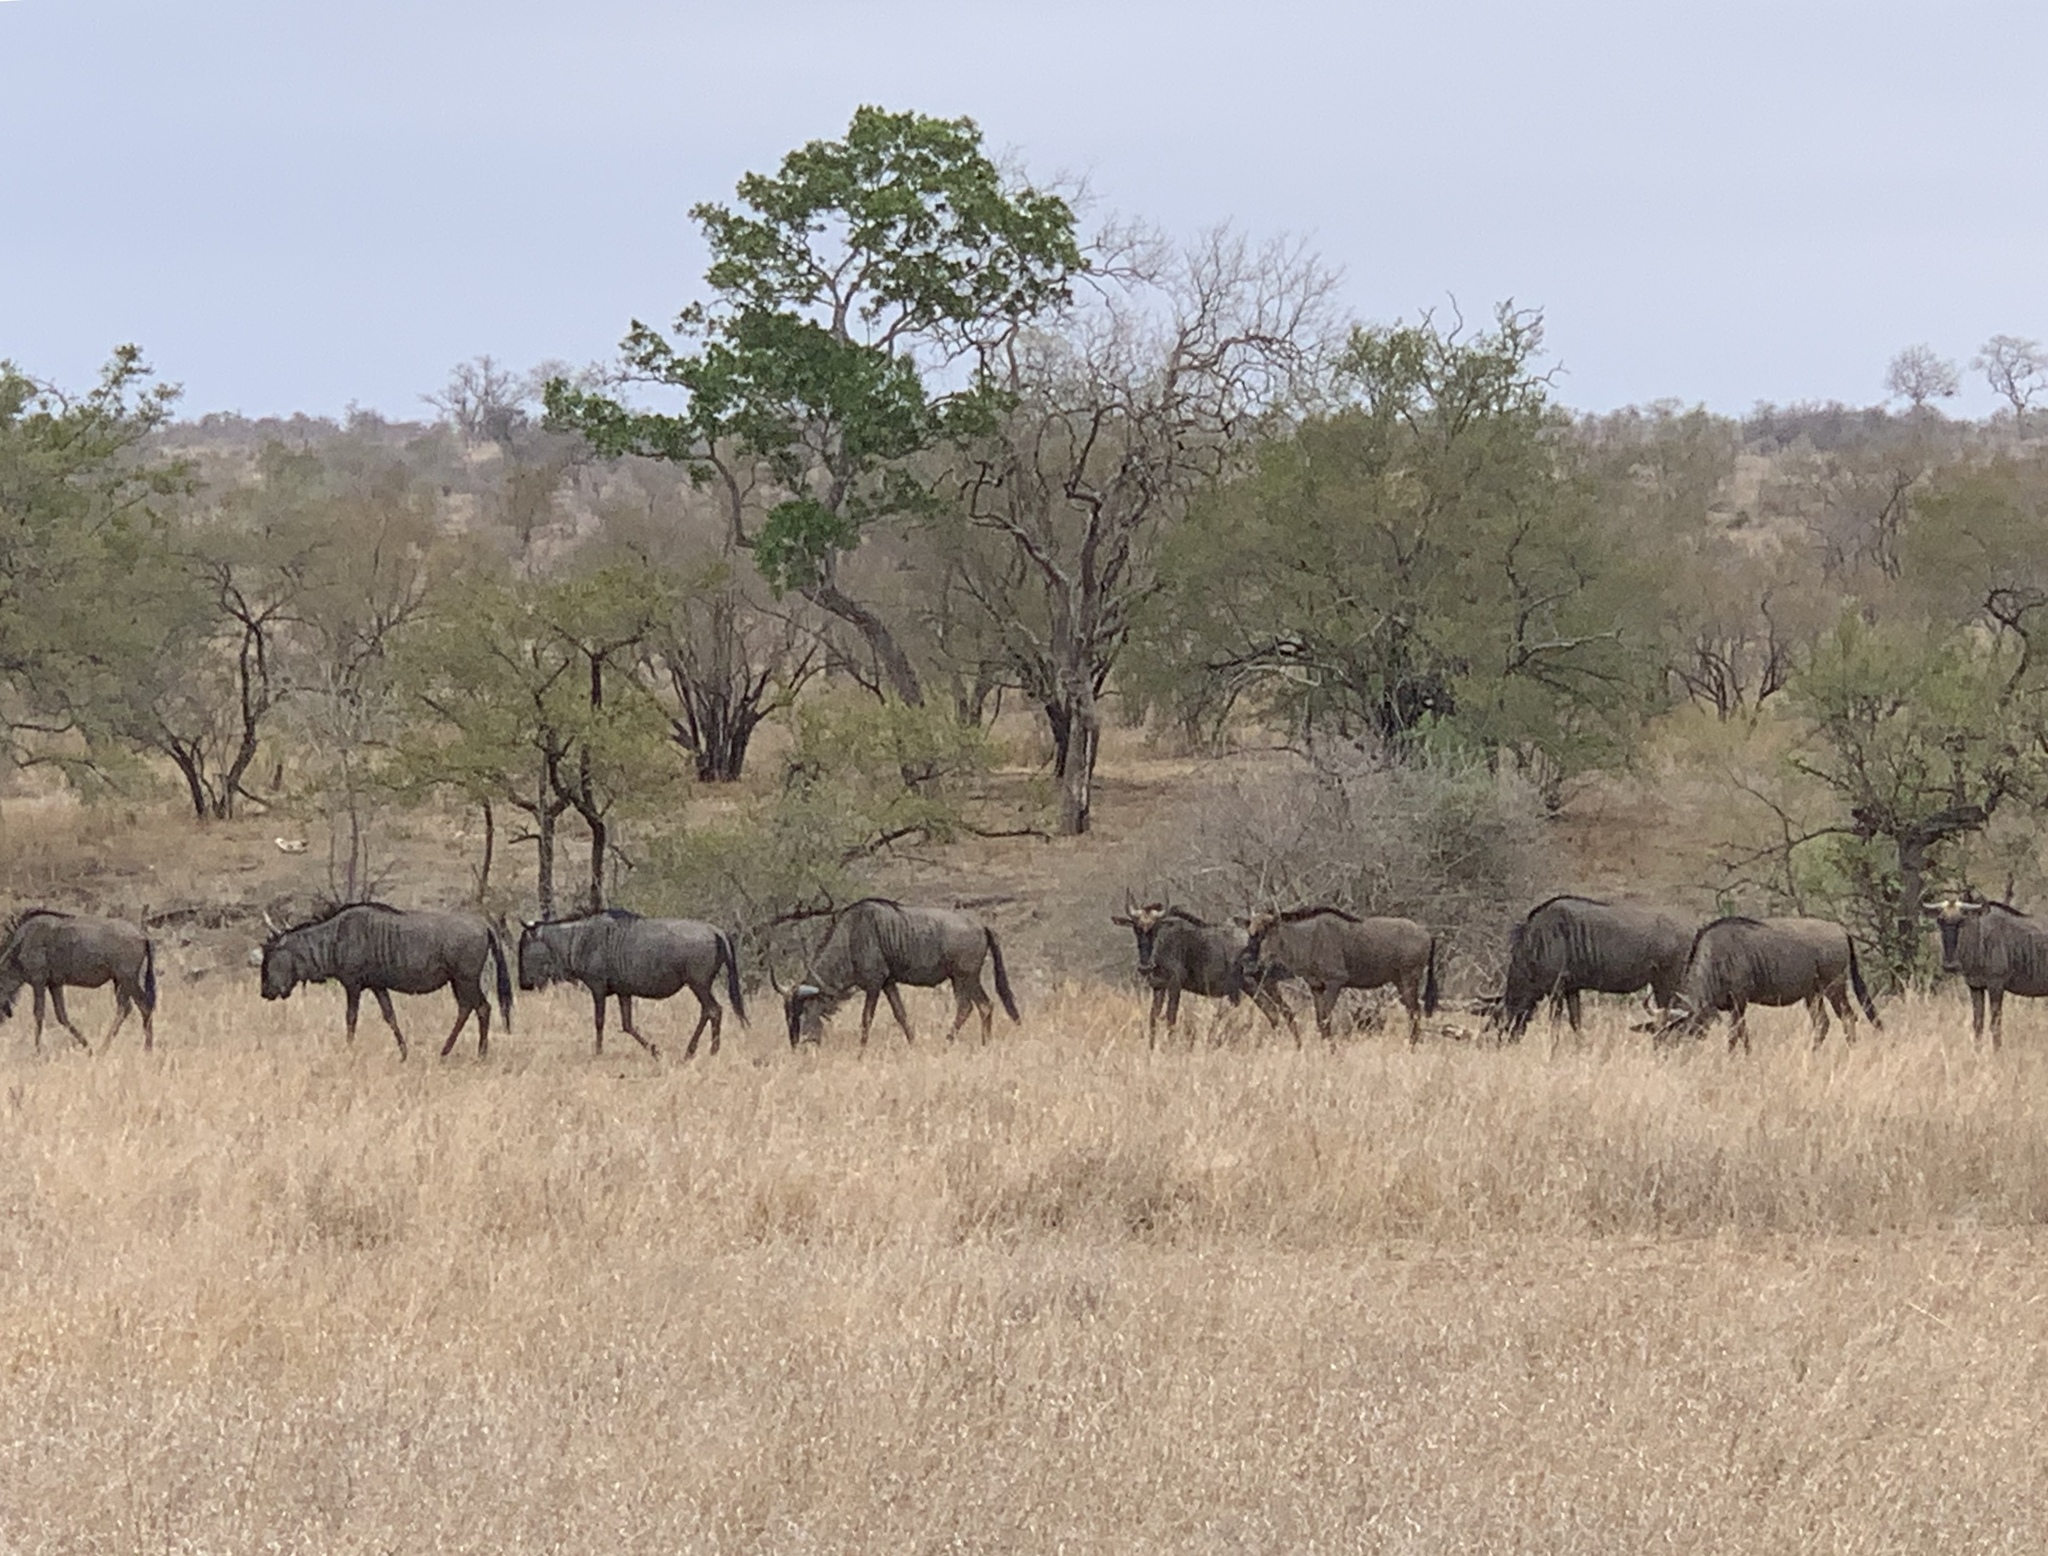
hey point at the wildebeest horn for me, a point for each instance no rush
(271, 924)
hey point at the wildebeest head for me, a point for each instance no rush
(540, 959)
(283, 969)
(1949, 915)
(1143, 922)
(1257, 927)
(805, 1007)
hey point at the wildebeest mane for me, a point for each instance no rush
(616, 915)
(1566, 896)
(332, 913)
(7, 930)
(1298, 915)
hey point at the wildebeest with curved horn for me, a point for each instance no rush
(1331, 950)
(1180, 953)
(1737, 962)
(876, 944)
(387, 950)
(618, 954)
(52, 951)
(1569, 944)
(1999, 951)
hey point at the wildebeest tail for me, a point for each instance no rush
(148, 1000)
(731, 958)
(1003, 993)
(504, 978)
(1430, 991)
(1862, 992)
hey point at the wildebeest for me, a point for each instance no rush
(1998, 950)
(876, 944)
(1178, 952)
(617, 954)
(52, 951)
(1331, 950)
(387, 950)
(1738, 962)
(1570, 944)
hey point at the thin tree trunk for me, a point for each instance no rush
(483, 873)
(544, 812)
(1077, 781)
(900, 673)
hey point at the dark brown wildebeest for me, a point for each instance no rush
(387, 950)
(1569, 944)
(1738, 962)
(1180, 953)
(876, 944)
(1331, 950)
(51, 951)
(617, 954)
(1998, 950)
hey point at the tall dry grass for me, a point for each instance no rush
(260, 1291)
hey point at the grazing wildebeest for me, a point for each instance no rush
(617, 954)
(51, 951)
(1331, 950)
(1178, 952)
(1569, 944)
(387, 950)
(875, 945)
(1998, 950)
(1738, 962)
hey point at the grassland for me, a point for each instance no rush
(259, 1291)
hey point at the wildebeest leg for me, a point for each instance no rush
(1573, 1013)
(483, 1015)
(709, 1013)
(1152, 1018)
(1326, 1003)
(1269, 1001)
(383, 997)
(1738, 1029)
(597, 999)
(1172, 1009)
(352, 999)
(867, 1014)
(1976, 1017)
(626, 1024)
(1411, 1001)
(1817, 1016)
(37, 991)
(121, 1006)
(1838, 996)
(963, 1004)
(895, 997)
(483, 1026)
(64, 1017)
(1997, 992)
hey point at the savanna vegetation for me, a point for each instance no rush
(957, 541)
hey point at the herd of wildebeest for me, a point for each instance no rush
(1566, 946)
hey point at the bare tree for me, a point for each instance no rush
(1919, 374)
(2016, 369)
(1145, 393)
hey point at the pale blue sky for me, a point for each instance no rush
(297, 204)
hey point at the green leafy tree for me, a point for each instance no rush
(1921, 733)
(1424, 566)
(860, 298)
(85, 600)
(535, 704)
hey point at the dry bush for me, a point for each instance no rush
(1451, 845)
(261, 1291)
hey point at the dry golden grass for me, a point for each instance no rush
(259, 1291)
